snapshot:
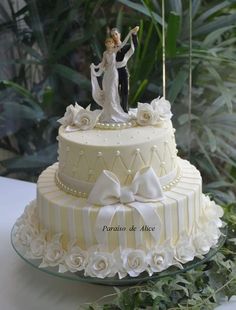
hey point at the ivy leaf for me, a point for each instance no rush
(232, 240)
(153, 294)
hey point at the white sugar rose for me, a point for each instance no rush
(162, 108)
(212, 211)
(201, 243)
(151, 114)
(185, 251)
(30, 209)
(25, 233)
(69, 116)
(100, 265)
(145, 114)
(54, 254)
(212, 232)
(22, 220)
(160, 258)
(119, 263)
(38, 246)
(85, 119)
(30, 215)
(31, 212)
(134, 261)
(76, 259)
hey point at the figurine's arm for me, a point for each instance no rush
(127, 55)
(102, 64)
(135, 40)
(134, 36)
(123, 43)
(125, 40)
(133, 32)
(95, 66)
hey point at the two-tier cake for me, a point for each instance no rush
(119, 201)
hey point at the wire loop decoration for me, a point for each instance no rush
(190, 79)
(163, 49)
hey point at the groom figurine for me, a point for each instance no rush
(123, 72)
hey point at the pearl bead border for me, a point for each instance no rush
(68, 189)
(169, 185)
(116, 126)
(81, 194)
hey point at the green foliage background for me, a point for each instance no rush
(202, 288)
(52, 44)
(55, 41)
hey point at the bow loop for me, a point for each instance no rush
(108, 193)
(107, 189)
(146, 185)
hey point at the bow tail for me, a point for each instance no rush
(104, 221)
(107, 213)
(150, 218)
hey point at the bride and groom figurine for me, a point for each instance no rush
(113, 96)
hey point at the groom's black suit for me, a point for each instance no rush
(124, 74)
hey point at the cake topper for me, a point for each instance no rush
(113, 96)
(123, 71)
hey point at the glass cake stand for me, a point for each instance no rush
(115, 281)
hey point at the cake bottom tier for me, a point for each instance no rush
(64, 230)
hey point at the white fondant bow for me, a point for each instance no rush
(144, 189)
(107, 190)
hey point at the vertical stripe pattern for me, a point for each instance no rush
(61, 212)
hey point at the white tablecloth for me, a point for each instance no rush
(25, 288)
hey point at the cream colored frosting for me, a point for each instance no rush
(73, 217)
(97, 261)
(118, 197)
(83, 155)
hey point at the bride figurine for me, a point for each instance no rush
(108, 97)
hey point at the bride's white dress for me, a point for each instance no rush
(108, 97)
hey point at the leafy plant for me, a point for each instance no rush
(206, 131)
(200, 288)
(55, 41)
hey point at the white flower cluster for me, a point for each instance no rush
(151, 114)
(78, 118)
(96, 262)
(207, 232)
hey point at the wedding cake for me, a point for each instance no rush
(119, 202)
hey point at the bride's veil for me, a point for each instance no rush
(97, 92)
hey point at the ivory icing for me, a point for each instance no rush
(73, 217)
(70, 219)
(84, 155)
(36, 231)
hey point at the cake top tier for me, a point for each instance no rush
(116, 138)
(88, 145)
(84, 155)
